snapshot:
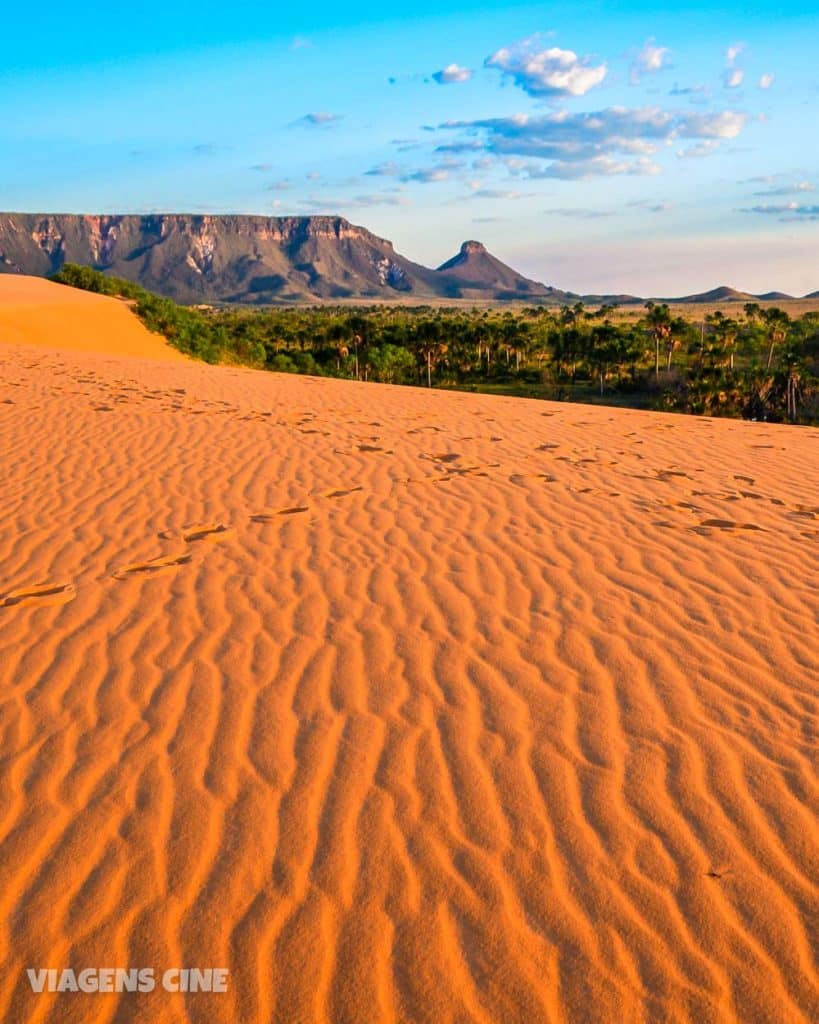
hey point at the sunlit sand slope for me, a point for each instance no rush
(403, 705)
(34, 311)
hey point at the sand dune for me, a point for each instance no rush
(34, 311)
(403, 705)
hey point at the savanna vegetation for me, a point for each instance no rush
(758, 363)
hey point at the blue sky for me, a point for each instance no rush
(595, 146)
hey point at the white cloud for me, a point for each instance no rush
(787, 212)
(650, 59)
(704, 148)
(322, 204)
(733, 78)
(649, 205)
(766, 81)
(428, 175)
(318, 118)
(595, 167)
(452, 74)
(551, 73)
(500, 193)
(693, 93)
(797, 188)
(580, 212)
(727, 124)
(584, 145)
(388, 169)
(733, 51)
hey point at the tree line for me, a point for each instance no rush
(760, 364)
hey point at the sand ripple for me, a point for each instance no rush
(404, 706)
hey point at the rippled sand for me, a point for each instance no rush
(403, 705)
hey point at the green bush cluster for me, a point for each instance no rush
(761, 365)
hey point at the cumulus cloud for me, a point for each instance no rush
(786, 212)
(550, 73)
(388, 169)
(733, 51)
(697, 94)
(589, 144)
(649, 205)
(595, 167)
(452, 74)
(733, 78)
(727, 124)
(319, 204)
(581, 213)
(766, 81)
(650, 59)
(318, 118)
(797, 188)
(700, 149)
(427, 175)
(500, 193)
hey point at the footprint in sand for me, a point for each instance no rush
(266, 517)
(199, 531)
(452, 472)
(152, 567)
(444, 457)
(341, 494)
(533, 476)
(728, 524)
(40, 593)
(206, 531)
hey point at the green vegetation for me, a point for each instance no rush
(763, 365)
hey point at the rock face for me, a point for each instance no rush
(250, 259)
(475, 270)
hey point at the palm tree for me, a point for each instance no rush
(659, 325)
(724, 330)
(777, 323)
(339, 335)
(752, 311)
(428, 345)
(606, 348)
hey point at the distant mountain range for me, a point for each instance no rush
(266, 260)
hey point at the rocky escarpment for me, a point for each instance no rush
(243, 258)
(476, 270)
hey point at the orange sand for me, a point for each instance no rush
(403, 705)
(34, 311)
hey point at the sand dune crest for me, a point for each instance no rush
(475, 733)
